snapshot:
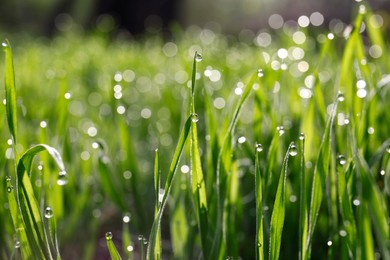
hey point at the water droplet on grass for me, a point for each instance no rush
(194, 118)
(140, 237)
(17, 244)
(126, 218)
(280, 129)
(145, 241)
(259, 147)
(260, 73)
(343, 233)
(329, 243)
(301, 136)
(388, 149)
(10, 189)
(7, 178)
(49, 212)
(62, 178)
(259, 245)
(108, 236)
(4, 44)
(341, 160)
(293, 150)
(198, 57)
(340, 97)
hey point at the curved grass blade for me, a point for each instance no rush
(10, 91)
(172, 170)
(278, 213)
(38, 236)
(112, 248)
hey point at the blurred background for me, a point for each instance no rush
(47, 17)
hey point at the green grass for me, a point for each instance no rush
(210, 148)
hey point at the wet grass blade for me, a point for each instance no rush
(223, 165)
(168, 184)
(259, 208)
(303, 214)
(197, 177)
(321, 170)
(278, 213)
(157, 179)
(38, 236)
(112, 248)
(10, 91)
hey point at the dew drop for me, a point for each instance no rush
(259, 245)
(130, 248)
(7, 178)
(301, 136)
(140, 237)
(48, 212)
(126, 218)
(62, 178)
(108, 236)
(4, 44)
(10, 189)
(293, 150)
(388, 149)
(198, 185)
(145, 241)
(17, 244)
(341, 159)
(340, 97)
(260, 73)
(343, 233)
(280, 129)
(198, 57)
(259, 147)
(356, 202)
(382, 172)
(329, 243)
(194, 117)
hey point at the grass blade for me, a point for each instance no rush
(157, 249)
(278, 213)
(172, 170)
(259, 207)
(303, 215)
(10, 91)
(112, 248)
(197, 176)
(319, 178)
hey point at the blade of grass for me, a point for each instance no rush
(112, 248)
(319, 178)
(303, 211)
(278, 213)
(157, 249)
(197, 177)
(172, 170)
(10, 92)
(223, 166)
(259, 207)
(37, 234)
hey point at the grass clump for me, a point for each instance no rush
(268, 148)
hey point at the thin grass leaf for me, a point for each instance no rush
(10, 91)
(112, 248)
(197, 176)
(303, 211)
(346, 212)
(259, 207)
(157, 179)
(319, 178)
(37, 234)
(223, 166)
(25, 247)
(278, 213)
(168, 184)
